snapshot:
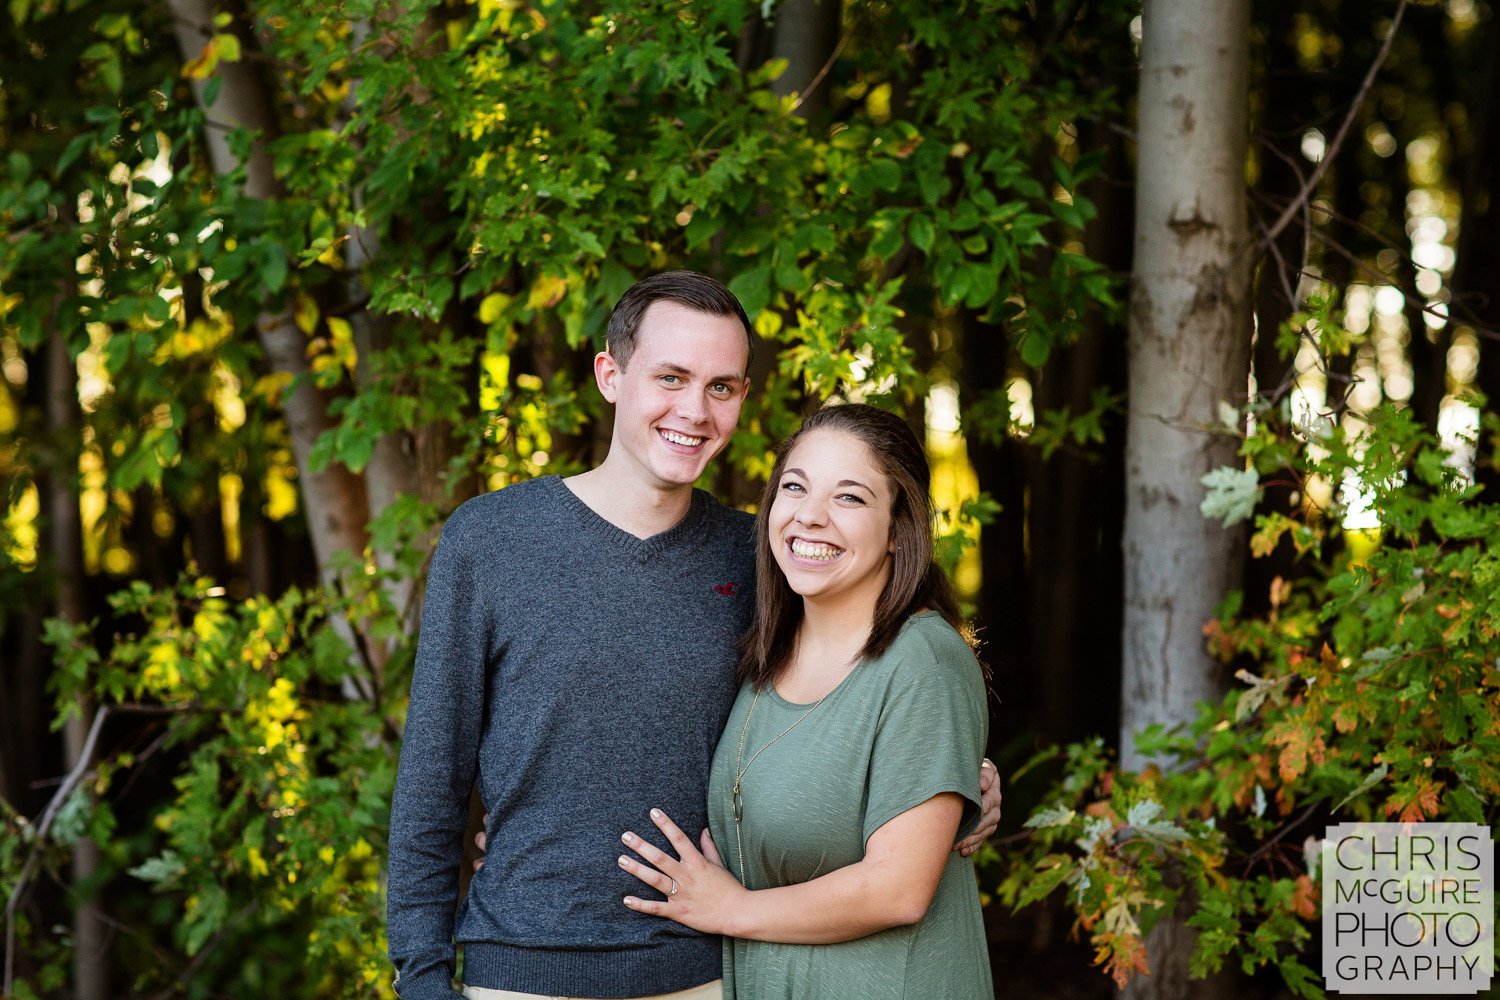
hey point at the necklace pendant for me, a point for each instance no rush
(739, 803)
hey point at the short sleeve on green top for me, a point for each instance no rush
(898, 730)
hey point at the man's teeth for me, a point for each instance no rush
(815, 550)
(682, 439)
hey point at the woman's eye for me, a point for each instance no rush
(791, 487)
(851, 498)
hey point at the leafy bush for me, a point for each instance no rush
(1368, 690)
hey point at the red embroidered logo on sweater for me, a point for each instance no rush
(727, 589)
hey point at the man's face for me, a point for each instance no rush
(678, 399)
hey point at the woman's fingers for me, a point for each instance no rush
(680, 840)
(656, 857)
(650, 906)
(710, 849)
(660, 882)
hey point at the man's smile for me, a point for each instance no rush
(685, 440)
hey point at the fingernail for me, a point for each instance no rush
(656, 814)
(624, 861)
(629, 838)
(630, 900)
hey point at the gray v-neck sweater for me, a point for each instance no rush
(582, 676)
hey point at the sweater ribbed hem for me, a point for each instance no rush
(640, 971)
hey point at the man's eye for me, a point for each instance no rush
(671, 379)
(721, 388)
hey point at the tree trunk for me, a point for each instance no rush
(1279, 275)
(805, 33)
(334, 499)
(1004, 611)
(1076, 511)
(1188, 352)
(1476, 274)
(65, 548)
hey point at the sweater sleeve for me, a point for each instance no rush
(439, 758)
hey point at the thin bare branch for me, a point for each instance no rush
(1331, 150)
(43, 825)
(813, 84)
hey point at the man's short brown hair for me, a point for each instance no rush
(694, 290)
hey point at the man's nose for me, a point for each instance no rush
(691, 406)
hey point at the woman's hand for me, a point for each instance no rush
(989, 800)
(700, 892)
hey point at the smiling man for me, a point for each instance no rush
(577, 660)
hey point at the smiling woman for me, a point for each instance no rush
(850, 760)
(830, 527)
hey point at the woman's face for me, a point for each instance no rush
(830, 524)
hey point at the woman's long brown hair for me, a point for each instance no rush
(915, 581)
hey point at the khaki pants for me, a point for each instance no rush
(708, 991)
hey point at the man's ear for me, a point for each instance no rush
(607, 372)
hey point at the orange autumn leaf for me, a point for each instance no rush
(1301, 744)
(1305, 898)
(1418, 804)
(1122, 955)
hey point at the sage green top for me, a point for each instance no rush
(898, 730)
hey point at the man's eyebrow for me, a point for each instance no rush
(672, 368)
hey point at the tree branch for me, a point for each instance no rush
(813, 84)
(43, 825)
(1332, 149)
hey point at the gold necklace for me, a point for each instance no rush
(741, 766)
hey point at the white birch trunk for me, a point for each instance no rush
(334, 499)
(1189, 351)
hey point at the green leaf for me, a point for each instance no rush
(273, 267)
(1043, 818)
(887, 242)
(71, 152)
(1068, 214)
(921, 231)
(753, 288)
(1061, 171)
(1035, 349)
(1374, 778)
(1232, 494)
(1054, 871)
(702, 227)
(885, 174)
(163, 869)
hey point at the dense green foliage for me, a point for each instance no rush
(1368, 691)
(461, 190)
(476, 183)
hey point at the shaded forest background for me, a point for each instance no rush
(283, 283)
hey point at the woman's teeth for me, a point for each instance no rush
(815, 550)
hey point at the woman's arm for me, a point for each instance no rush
(891, 886)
